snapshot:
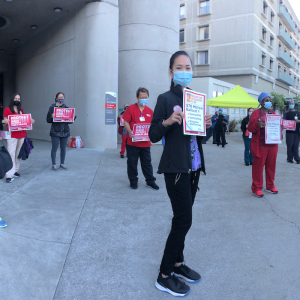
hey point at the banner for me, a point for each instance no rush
(19, 122)
(289, 125)
(141, 132)
(194, 105)
(273, 129)
(64, 114)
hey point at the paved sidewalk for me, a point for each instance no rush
(83, 234)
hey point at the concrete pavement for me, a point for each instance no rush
(83, 234)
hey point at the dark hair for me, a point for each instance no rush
(59, 94)
(11, 104)
(141, 90)
(249, 109)
(173, 58)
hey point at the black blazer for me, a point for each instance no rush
(176, 157)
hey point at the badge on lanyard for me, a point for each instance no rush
(142, 118)
(296, 117)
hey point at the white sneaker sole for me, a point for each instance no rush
(258, 196)
(12, 179)
(163, 289)
(271, 192)
(187, 279)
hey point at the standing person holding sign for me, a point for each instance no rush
(59, 132)
(292, 136)
(17, 137)
(139, 115)
(122, 131)
(181, 162)
(248, 157)
(264, 154)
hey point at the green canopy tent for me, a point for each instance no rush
(235, 98)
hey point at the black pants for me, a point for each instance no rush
(220, 134)
(182, 195)
(292, 142)
(63, 145)
(133, 155)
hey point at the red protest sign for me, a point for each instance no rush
(289, 125)
(64, 114)
(141, 132)
(19, 122)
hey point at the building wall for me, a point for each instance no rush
(235, 42)
(71, 56)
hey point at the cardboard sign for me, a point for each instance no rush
(273, 129)
(289, 125)
(64, 114)
(141, 132)
(194, 105)
(19, 122)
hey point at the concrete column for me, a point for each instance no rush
(149, 35)
(96, 71)
(9, 80)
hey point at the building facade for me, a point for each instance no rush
(253, 43)
(85, 49)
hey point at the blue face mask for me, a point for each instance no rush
(292, 106)
(268, 105)
(143, 102)
(250, 113)
(182, 78)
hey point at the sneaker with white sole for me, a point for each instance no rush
(9, 180)
(273, 191)
(172, 285)
(17, 175)
(258, 194)
(186, 273)
(54, 168)
(63, 167)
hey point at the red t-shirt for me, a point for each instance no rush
(132, 116)
(16, 134)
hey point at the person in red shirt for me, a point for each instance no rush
(264, 155)
(17, 137)
(139, 113)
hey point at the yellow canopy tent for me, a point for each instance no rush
(235, 98)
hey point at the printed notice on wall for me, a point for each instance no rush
(194, 105)
(110, 108)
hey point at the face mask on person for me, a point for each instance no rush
(143, 102)
(60, 101)
(292, 106)
(182, 78)
(16, 103)
(220, 112)
(268, 105)
(250, 113)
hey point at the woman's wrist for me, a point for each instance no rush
(164, 122)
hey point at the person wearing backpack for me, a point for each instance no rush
(17, 137)
(59, 132)
(122, 131)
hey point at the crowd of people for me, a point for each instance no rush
(182, 160)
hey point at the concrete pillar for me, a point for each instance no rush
(96, 71)
(149, 35)
(9, 80)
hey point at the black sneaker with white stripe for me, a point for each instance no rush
(184, 272)
(17, 175)
(172, 285)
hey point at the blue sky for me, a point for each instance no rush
(296, 7)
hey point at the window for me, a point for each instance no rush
(181, 36)
(280, 25)
(182, 11)
(263, 34)
(202, 57)
(279, 46)
(271, 40)
(204, 7)
(290, 74)
(204, 33)
(271, 64)
(284, 70)
(265, 8)
(279, 67)
(272, 16)
(263, 59)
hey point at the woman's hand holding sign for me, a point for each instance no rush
(208, 121)
(176, 117)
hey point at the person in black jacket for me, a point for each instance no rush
(220, 128)
(292, 137)
(248, 157)
(59, 132)
(181, 162)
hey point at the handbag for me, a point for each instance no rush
(6, 163)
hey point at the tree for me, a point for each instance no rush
(297, 102)
(279, 101)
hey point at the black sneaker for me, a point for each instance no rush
(247, 164)
(63, 167)
(153, 185)
(134, 185)
(251, 163)
(9, 180)
(172, 285)
(17, 175)
(184, 272)
(122, 156)
(290, 161)
(298, 162)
